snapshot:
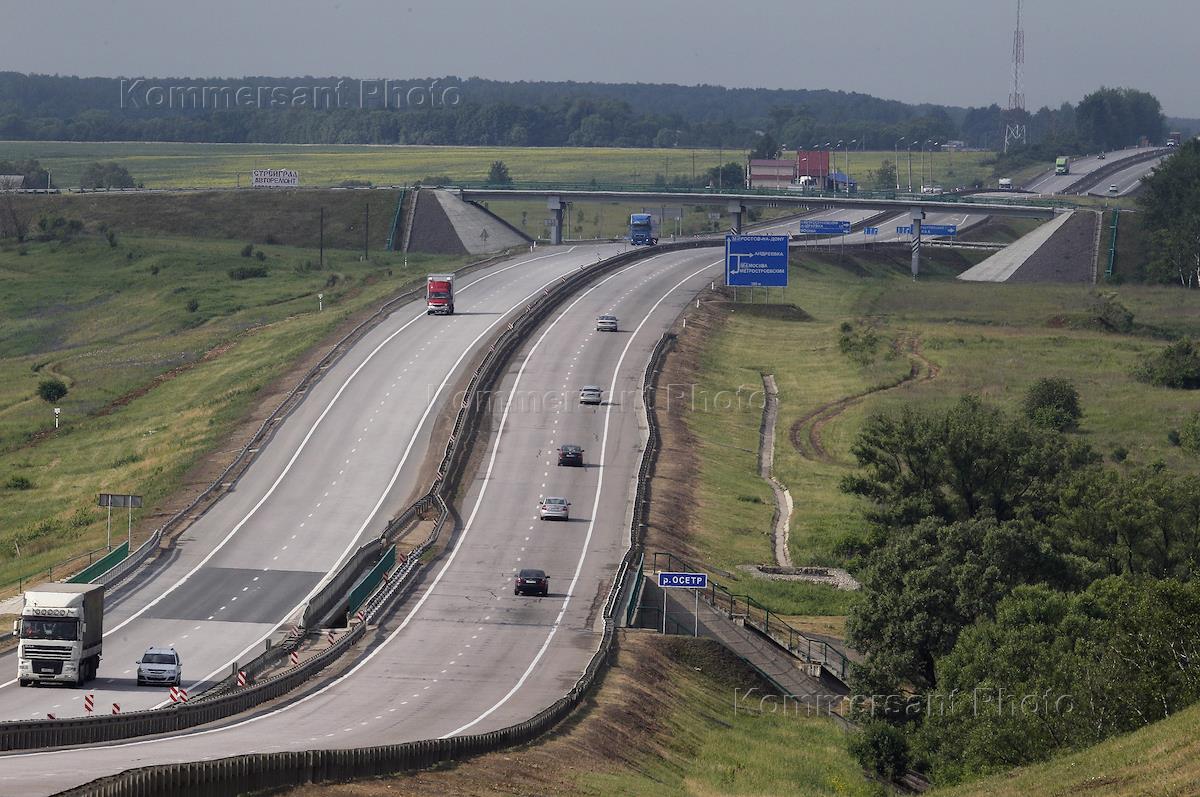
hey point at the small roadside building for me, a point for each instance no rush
(770, 173)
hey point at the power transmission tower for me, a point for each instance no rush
(1015, 130)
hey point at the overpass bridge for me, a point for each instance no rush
(735, 203)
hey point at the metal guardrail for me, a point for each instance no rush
(762, 619)
(223, 703)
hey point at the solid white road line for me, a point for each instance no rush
(296, 456)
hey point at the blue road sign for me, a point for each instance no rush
(930, 229)
(815, 227)
(870, 231)
(684, 580)
(939, 229)
(756, 261)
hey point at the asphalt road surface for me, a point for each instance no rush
(1051, 183)
(1127, 180)
(343, 462)
(464, 654)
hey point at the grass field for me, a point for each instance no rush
(1158, 760)
(167, 165)
(110, 321)
(993, 340)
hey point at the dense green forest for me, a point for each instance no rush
(473, 111)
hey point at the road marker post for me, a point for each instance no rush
(89, 702)
(241, 678)
(116, 708)
(295, 657)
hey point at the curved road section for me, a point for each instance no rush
(343, 462)
(464, 653)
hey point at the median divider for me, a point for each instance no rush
(247, 773)
(227, 699)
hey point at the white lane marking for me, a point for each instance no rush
(595, 510)
(391, 483)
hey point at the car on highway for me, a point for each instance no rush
(554, 508)
(1112, 188)
(590, 394)
(160, 666)
(606, 323)
(1100, 156)
(531, 581)
(570, 454)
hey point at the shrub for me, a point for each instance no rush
(1176, 366)
(111, 237)
(1120, 454)
(19, 483)
(1173, 437)
(260, 255)
(193, 305)
(1053, 403)
(881, 750)
(247, 250)
(1189, 435)
(153, 269)
(51, 390)
(247, 272)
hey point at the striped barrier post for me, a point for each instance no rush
(89, 702)
(241, 678)
(295, 657)
(116, 708)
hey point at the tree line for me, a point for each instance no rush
(484, 112)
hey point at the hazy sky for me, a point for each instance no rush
(947, 51)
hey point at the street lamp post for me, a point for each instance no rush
(848, 146)
(933, 144)
(896, 156)
(909, 148)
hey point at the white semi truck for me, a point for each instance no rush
(60, 632)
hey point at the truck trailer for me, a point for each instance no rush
(439, 294)
(59, 634)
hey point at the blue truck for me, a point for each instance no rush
(641, 229)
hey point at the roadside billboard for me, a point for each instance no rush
(275, 178)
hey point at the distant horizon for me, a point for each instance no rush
(945, 53)
(583, 83)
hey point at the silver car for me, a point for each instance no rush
(554, 508)
(590, 394)
(606, 323)
(160, 666)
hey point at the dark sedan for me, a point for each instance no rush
(532, 582)
(570, 455)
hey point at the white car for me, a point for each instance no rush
(1112, 189)
(590, 394)
(606, 323)
(160, 666)
(554, 508)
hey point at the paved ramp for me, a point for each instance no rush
(474, 229)
(1002, 265)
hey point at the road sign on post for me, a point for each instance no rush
(816, 227)
(870, 231)
(692, 581)
(756, 261)
(131, 502)
(939, 229)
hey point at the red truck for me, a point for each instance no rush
(439, 294)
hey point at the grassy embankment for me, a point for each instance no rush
(167, 165)
(1159, 760)
(153, 384)
(952, 338)
(662, 723)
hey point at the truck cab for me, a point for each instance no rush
(59, 634)
(1062, 165)
(641, 230)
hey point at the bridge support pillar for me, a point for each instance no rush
(736, 209)
(556, 230)
(917, 215)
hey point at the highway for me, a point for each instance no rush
(464, 654)
(1051, 183)
(1127, 180)
(343, 462)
